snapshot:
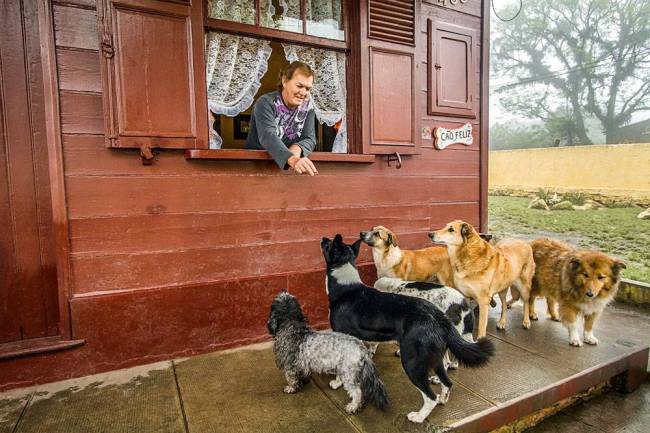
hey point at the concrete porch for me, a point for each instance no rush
(241, 390)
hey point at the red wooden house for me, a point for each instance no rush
(129, 238)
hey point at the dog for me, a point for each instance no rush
(300, 351)
(422, 331)
(411, 265)
(581, 282)
(482, 269)
(446, 299)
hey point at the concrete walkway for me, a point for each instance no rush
(241, 390)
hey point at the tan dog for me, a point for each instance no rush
(582, 283)
(411, 265)
(481, 269)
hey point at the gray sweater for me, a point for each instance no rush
(263, 132)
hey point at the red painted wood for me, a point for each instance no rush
(174, 232)
(75, 27)
(81, 113)
(451, 69)
(79, 70)
(88, 155)
(158, 57)
(140, 195)
(391, 98)
(264, 155)
(485, 117)
(29, 290)
(52, 126)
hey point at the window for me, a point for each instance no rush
(249, 42)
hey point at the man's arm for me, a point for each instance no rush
(266, 134)
(307, 140)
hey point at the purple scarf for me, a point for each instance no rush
(289, 123)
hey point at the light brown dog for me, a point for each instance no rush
(582, 282)
(411, 265)
(481, 269)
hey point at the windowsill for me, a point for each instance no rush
(263, 155)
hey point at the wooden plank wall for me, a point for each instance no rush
(164, 257)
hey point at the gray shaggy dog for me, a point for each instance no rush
(449, 300)
(300, 351)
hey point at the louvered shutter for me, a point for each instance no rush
(153, 73)
(392, 21)
(388, 76)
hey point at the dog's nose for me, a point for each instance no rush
(432, 235)
(590, 294)
(362, 235)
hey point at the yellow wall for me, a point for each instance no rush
(617, 170)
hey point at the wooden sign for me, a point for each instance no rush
(443, 137)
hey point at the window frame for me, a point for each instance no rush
(282, 36)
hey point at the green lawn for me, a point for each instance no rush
(614, 231)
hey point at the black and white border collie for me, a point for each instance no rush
(422, 331)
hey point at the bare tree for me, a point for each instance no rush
(589, 57)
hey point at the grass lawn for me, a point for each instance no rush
(614, 231)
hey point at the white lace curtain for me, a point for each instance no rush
(241, 11)
(328, 95)
(234, 67)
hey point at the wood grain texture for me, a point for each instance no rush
(135, 195)
(81, 113)
(79, 70)
(75, 27)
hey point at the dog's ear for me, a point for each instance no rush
(391, 239)
(574, 263)
(465, 231)
(356, 247)
(617, 267)
(338, 238)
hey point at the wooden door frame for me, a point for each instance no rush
(60, 224)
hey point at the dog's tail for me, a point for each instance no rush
(470, 354)
(372, 388)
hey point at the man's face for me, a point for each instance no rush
(297, 89)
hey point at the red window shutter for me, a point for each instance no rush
(451, 70)
(153, 73)
(392, 21)
(388, 76)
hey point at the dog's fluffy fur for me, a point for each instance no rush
(481, 269)
(447, 299)
(422, 331)
(582, 283)
(301, 351)
(412, 265)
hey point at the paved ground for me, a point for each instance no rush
(241, 390)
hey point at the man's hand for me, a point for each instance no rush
(302, 165)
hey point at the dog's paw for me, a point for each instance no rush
(335, 383)
(526, 324)
(434, 379)
(444, 395)
(415, 417)
(290, 389)
(555, 319)
(575, 342)
(590, 339)
(534, 316)
(501, 326)
(352, 408)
